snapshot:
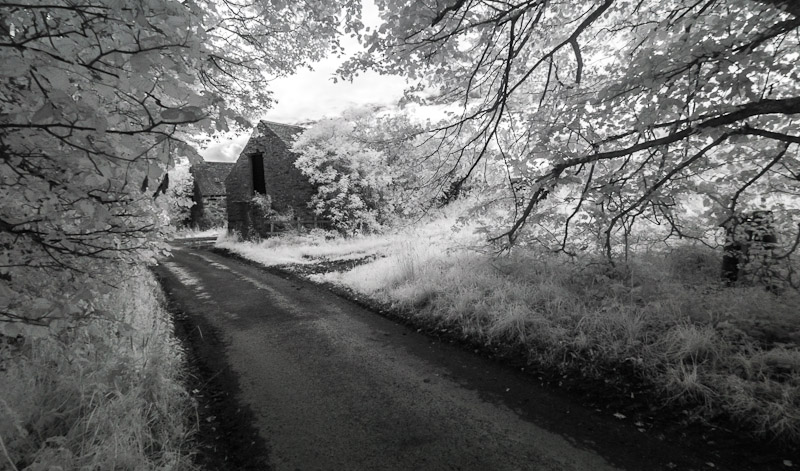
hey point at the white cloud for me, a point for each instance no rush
(311, 95)
(226, 149)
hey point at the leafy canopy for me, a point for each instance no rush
(98, 98)
(369, 169)
(616, 112)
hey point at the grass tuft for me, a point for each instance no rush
(103, 395)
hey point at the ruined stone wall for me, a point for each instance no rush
(285, 184)
(214, 212)
(750, 242)
(239, 189)
(207, 211)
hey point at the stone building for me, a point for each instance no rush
(266, 167)
(209, 209)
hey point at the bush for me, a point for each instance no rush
(694, 264)
(106, 394)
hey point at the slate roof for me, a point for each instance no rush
(210, 177)
(285, 132)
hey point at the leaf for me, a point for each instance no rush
(6, 294)
(44, 114)
(13, 66)
(14, 329)
(182, 115)
(140, 63)
(10, 329)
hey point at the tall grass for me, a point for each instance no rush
(103, 395)
(191, 233)
(302, 248)
(664, 317)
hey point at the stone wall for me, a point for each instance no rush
(239, 189)
(208, 212)
(750, 242)
(214, 212)
(285, 184)
(239, 219)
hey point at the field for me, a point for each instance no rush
(661, 326)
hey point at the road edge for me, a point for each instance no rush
(226, 437)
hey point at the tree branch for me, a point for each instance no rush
(454, 7)
(578, 59)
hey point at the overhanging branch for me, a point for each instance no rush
(545, 182)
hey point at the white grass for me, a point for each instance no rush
(304, 249)
(193, 233)
(664, 317)
(106, 395)
(317, 246)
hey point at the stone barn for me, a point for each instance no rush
(266, 167)
(209, 209)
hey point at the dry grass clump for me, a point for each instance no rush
(104, 395)
(191, 233)
(318, 245)
(666, 317)
(304, 248)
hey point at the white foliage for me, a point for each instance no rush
(178, 201)
(366, 168)
(99, 99)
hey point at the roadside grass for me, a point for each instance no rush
(319, 246)
(103, 395)
(718, 350)
(663, 317)
(189, 233)
(305, 248)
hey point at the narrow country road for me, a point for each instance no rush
(335, 387)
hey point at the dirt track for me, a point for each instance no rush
(325, 384)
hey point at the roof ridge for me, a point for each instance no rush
(286, 133)
(214, 162)
(210, 176)
(266, 121)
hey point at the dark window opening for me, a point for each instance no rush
(259, 185)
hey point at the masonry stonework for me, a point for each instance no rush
(209, 209)
(214, 211)
(285, 185)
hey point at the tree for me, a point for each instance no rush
(178, 199)
(98, 99)
(368, 169)
(609, 115)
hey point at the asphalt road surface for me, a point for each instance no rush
(333, 386)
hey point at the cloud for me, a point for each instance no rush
(225, 149)
(312, 94)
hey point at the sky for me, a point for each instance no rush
(311, 94)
